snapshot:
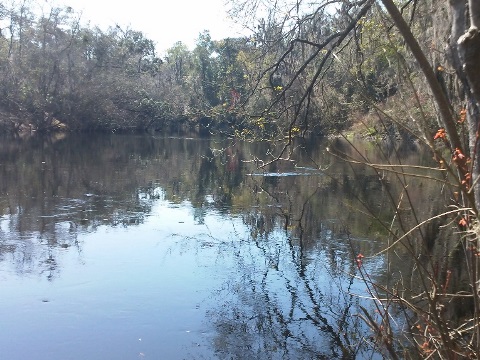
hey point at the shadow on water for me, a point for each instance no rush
(289, 293)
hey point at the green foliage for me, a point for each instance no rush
(88, 78)
(53, 68)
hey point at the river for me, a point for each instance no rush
(153, 247)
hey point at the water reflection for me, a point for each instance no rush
(259, 260)
(286, 302)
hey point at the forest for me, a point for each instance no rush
(402, 71)
(58, 74)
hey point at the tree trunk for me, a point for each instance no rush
(469, 47)
(469, 71)
(469, 54)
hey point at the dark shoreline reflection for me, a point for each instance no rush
(290, 293)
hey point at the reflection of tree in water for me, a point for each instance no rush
(289, 303)
(35, 242)
(52, 191)
(292, 297)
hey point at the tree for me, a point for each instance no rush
(57, 74)
(206, 65)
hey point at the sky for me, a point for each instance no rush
(163, 21)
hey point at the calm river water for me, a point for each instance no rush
(148, 247)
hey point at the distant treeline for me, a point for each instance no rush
(57, 74)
